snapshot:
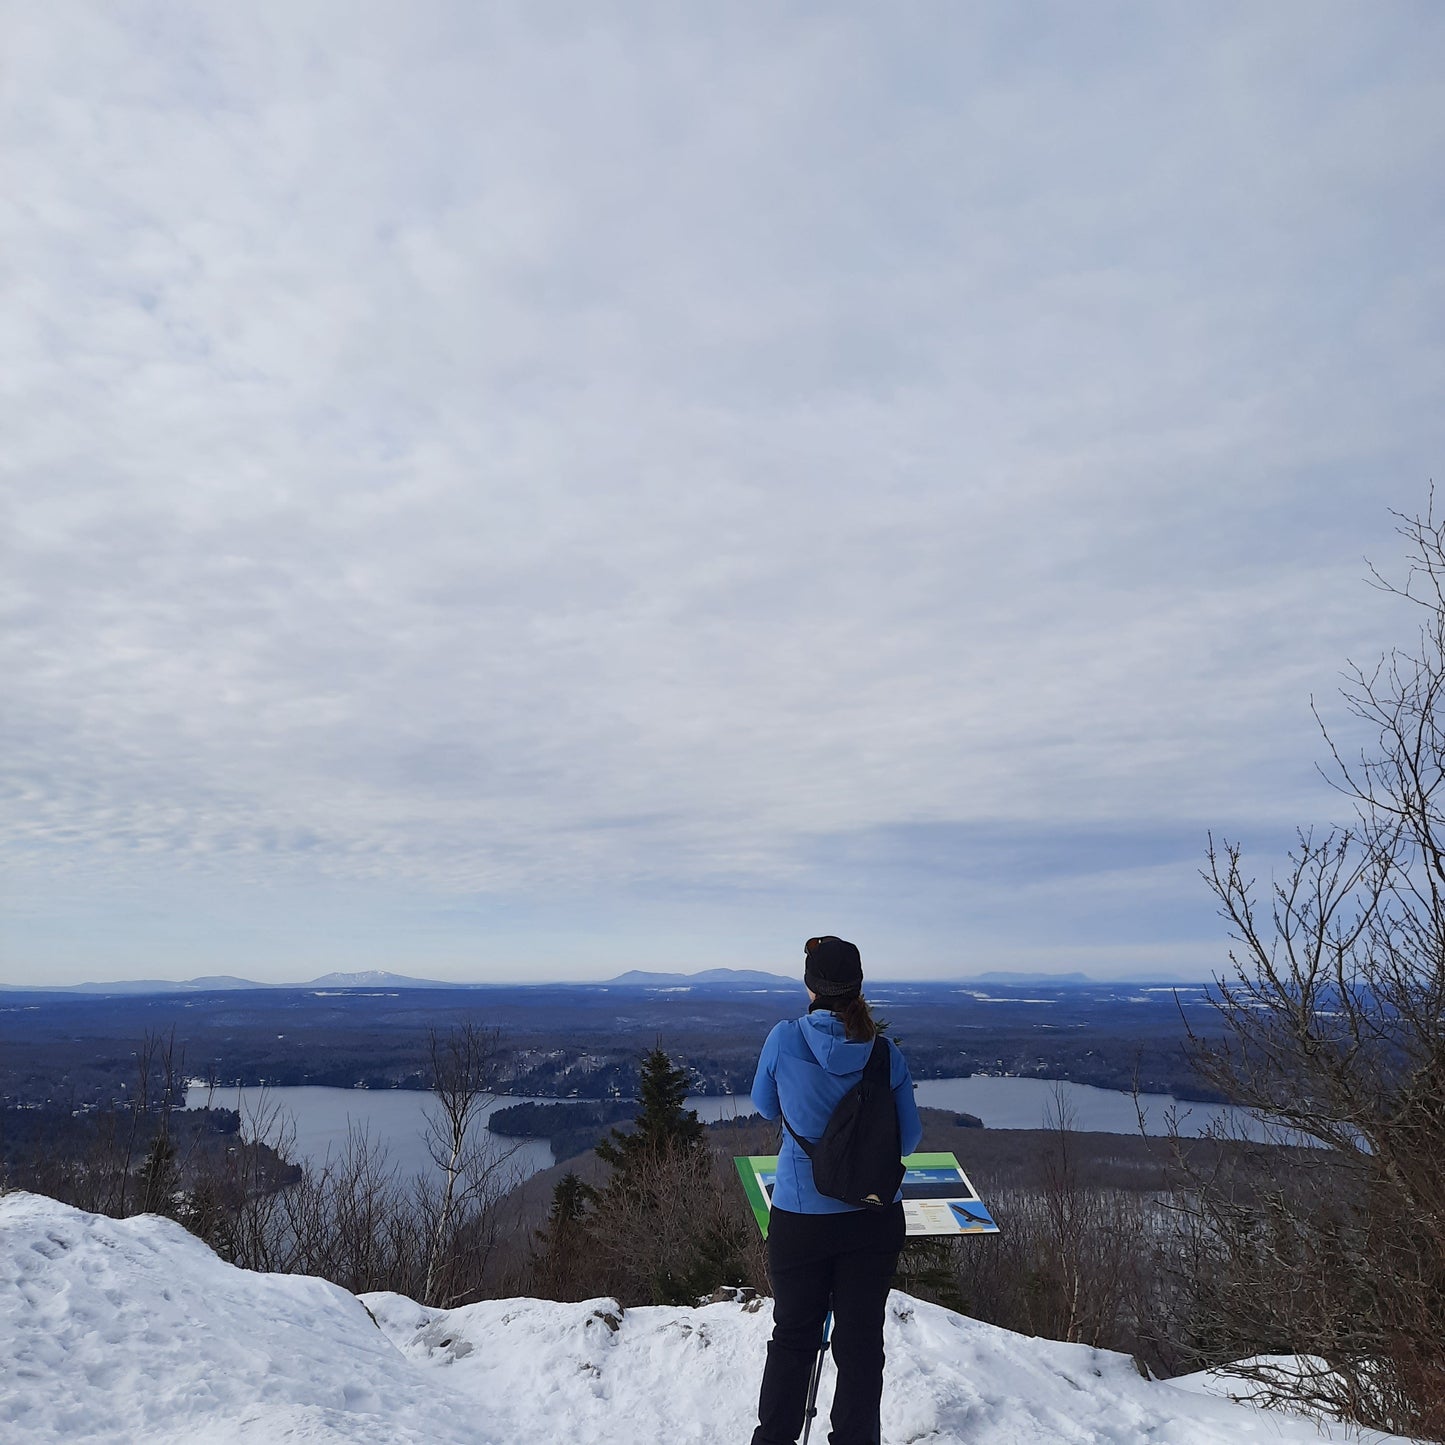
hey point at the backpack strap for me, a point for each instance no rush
(878, 1060)
(801, 1142)
(878, 1063)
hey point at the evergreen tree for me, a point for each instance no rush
(203, 1210)
(570, 1198)
(661, 1226)
(561, 1256)
(662, 1125)
(159, 1178)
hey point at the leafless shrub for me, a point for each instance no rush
(1334, 1024)
(352, 1220)
(122, 1159)
(1076, 1258)
(233, 1197)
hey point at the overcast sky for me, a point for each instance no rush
(522, 492)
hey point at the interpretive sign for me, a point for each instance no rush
(937, 1196)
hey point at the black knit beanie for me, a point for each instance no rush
(832, 967)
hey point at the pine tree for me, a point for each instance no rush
(661, 1226)
(662, 1125)
(560, 1252)
(159, 1178)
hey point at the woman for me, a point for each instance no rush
(822, 1253)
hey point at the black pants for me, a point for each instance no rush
(845, 1261)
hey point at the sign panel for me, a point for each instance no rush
(937, 1196)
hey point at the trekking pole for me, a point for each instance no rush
(812, 1409)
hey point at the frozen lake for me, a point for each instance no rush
(322, 1118)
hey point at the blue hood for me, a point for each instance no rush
(825, 1036)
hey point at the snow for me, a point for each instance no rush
(133, 1331)
(1273, 1375)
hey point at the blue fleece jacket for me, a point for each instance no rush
(806, 1066)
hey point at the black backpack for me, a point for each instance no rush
(858, 1159)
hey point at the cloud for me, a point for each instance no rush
(576, 459)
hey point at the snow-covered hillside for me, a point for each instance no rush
(132, 1331)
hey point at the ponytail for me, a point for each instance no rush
(858, 1021)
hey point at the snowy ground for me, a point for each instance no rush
(132, 1331)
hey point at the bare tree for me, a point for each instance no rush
(1091, 1238)
(243, 1192)
(131, 1163)
(1077, 1258)
(1334, 1025)
(461, 1212)
(352, 1220)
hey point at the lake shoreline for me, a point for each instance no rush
(324, 1120)
(1180, 1095)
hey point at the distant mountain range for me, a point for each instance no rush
(736, 978)
(728, 977)
(379, 978)
(222, 982)
(1007, 976)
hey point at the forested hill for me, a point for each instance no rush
(585, 1041)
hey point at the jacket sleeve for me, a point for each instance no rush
(910, 1126)
(765, 1081)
